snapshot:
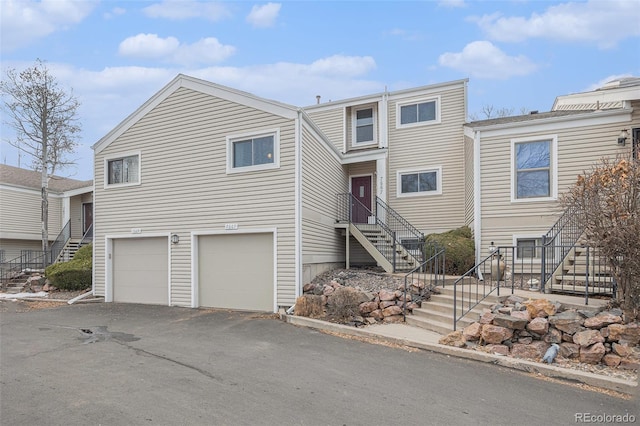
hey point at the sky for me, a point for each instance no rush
(114, 55)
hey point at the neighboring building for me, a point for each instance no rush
(209, 196)
(70, 204)
(519, 166)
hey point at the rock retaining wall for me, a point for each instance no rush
(356, 306)
(527, 328)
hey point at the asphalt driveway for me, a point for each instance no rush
(124, 364)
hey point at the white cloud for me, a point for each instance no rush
(606, 80)
(481, 59)
(264, 16)
(116, 11)
(602, 22)
(24, 21)
(452, 3)
(149, 46)
(186, 9)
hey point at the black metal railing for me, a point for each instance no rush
(408, 235)
(60, 242)
(559, 241)
(487, 277)
(28, 261)
(387, 241)
(582, 272)
(87, 237)
(424, 278)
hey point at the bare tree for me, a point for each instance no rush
(608, 197)
(44, 118)
(489, 111)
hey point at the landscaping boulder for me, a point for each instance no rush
(495, 333)
(510, 321)
(569, 321)
(538, 326)
(540, 308)
(602, 320)
(472, 331)
(587, 338)
(453, 339)
(592, 354)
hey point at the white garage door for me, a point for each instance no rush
(236, 271)
(140, 270)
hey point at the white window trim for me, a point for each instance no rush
(553, 190)
(517, 237)
(399, 173)
(108, 158)
(354, 127)
(399, 105)
(250, 135)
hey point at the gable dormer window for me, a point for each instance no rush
(364, 122)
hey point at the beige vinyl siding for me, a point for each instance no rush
(468, 182)
(20, 214)
(323, 178)
(12, 248)
(184, 186)
(579, 148)
(429, 146)
(331, 123)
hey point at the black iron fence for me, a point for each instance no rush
(28, 261)
(424, 278)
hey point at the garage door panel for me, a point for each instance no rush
(236, 271)
(140, 270)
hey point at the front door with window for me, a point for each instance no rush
(361, 205)
(87, 217)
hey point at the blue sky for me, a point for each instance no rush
(115, 55)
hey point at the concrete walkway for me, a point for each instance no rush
(403, 334)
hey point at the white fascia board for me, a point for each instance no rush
(359, 157)
(202, 86)
(555, 124)
(78, 191)
(33, 191)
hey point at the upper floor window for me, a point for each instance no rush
(418, 113)
(253, 152)
(533, 170)
(420, 182)
(364, 126)
(123, 170)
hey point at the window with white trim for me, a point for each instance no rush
(533, 169)
(123, 170)
(418, 113)
(364, 122)
(528, 248)
(419, 182)
(253, 152)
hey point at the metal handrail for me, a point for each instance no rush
(28, 259)
(481, 281)
(558, 241)
(349, 207)
(88, 236)
(432, 268)
(60, 242)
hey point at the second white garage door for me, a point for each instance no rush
(235, 271)
(140, 270)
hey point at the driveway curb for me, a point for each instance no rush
(610, 383)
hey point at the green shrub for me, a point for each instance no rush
(459, 249)
(74, 274)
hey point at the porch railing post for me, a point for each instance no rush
(543, 264)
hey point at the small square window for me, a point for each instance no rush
(528, 248)
(123, 170)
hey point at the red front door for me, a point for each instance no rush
(87, 216)
(361, 206)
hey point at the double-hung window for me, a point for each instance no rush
(253, 152)
(418, 113)
(419, 182)
(123, 170)
(533, 169)
(364, 122)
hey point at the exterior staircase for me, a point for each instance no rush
(436, 314)
(379, 244)
(68, 251)
(583, 267)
